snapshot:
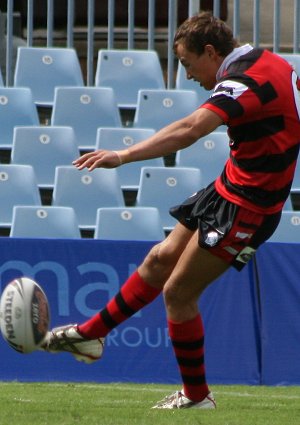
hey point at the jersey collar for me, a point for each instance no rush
(233, 56)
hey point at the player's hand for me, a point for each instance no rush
(98, 159)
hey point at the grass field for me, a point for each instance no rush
(130, 404)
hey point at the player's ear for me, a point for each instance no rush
(210, 50)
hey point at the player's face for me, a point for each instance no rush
(202, 68)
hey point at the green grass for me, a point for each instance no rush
(129, 404)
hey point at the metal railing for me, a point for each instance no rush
(238, 11)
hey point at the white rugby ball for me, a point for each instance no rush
(24, 315)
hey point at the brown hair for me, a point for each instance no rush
(202, 29)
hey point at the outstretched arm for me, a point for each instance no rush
(171, 138)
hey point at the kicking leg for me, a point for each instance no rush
(141, 288)
(85, 341)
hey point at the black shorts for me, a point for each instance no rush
(225, 229)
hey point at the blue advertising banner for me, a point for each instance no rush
(278, 273)
(79, 276)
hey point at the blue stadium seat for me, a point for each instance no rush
(44, 68)
(209, 153)
(182, 83)
(127, 71)
(296, 182)
(158, 108)
(165, 187)
(288, 206)
(44, 147)
(18, 186)
(122, 138)
(17, 108)
(293, 59)
(295, 189)
(288, 230)
(134, 223)
(85, 109)
(44, 222)
(86, 192)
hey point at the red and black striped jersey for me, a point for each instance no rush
(258, 100)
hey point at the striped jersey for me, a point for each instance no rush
(257, 97)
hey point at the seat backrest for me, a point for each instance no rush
(165, 187)
(86, 192)
(44, 68)
(209, 153)
(127, 71)
(44, 147)
(296, 180)
(44, 222)
(123, 138)
(129, 223)
(85, 109)
(18, 186)
(293, 59)
(288, 230)
(288, 206)
(17, 108)
(182, 83)
(158, 108)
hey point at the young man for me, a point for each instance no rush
(223, 224)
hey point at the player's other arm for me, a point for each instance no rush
(171, 138)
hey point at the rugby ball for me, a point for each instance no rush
(24, 315)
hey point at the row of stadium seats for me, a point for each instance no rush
(116, 223)
(112, 223)
(84, 193)
(125, 71)
(46, 147)
(88, 108)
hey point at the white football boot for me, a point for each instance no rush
(67, 339)
(178, 400)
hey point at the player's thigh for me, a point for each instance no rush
(194, 271)
(162, 258)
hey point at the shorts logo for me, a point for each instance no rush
(245, 255)
(212, 238)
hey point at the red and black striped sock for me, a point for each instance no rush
(133, 296)
(188, 343)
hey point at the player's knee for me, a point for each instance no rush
(162, 256)
(159, 263)
(171, 297)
